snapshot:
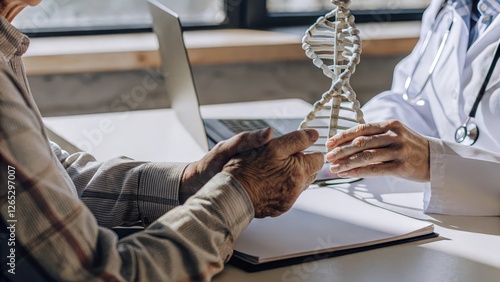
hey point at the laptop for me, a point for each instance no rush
(184, 98)
(182, 91)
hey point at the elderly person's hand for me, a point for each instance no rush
(385, 148)
(199, 173)
(275, 174)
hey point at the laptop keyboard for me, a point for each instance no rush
(240, 125)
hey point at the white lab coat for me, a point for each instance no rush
(464, 179)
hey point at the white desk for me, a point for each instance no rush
(467, 250)
(157, 135)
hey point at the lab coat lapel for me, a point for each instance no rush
(446, 78)
(489, 108)
(491, 35)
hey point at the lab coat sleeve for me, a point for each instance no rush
(391, 105)
(464, 180)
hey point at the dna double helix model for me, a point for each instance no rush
(334, 45)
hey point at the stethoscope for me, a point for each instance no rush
(467, 133)
(446, 10)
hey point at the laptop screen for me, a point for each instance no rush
(177, 71)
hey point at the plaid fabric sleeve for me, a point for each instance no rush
(56, 236)
(122, 191)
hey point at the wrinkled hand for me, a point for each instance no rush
(274, 175)
(386, 148)
(197, 174)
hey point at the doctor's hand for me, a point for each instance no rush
(274, 175)
(385, 148)
(197, 174)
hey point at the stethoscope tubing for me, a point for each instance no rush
(468, 132)
(425, 44)
(487, 79)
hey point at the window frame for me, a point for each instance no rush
(257, 16)
(240, 14)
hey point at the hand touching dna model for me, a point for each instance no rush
(334, 45)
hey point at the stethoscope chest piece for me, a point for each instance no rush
(467, 133)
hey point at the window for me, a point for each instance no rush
(61, 17)
(292, 12)
(280, 6)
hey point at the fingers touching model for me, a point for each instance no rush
(385, 148)
(275, 174)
